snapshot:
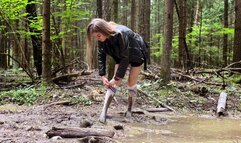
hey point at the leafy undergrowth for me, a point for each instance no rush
(192, 96)
(20, 96)
(181, 94)
(33, 95)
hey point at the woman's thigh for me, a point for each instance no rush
(133, 75)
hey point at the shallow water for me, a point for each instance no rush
(187, 130)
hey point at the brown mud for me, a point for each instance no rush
(29, 124)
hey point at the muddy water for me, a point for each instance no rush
(187, 130)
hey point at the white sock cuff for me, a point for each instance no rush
(133, 87)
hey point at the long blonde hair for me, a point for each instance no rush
(97, 25)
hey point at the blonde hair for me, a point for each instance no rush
(97, 25)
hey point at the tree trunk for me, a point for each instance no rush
(147, 25)
(133, 15)
(36, 38)
(107, 10)
(46, 46)
(225, 36)
(26, 47)
(237, 33)
(125, 12)
(144, 10)
(182, 46)
(3, 57)
(115, 10)
(15, 48)
(168, 33)
(141, 18)
(64, 50)
(99, 8)
(57, 50)
(197, 12)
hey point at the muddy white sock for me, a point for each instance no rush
(108, 98)
(131, 97)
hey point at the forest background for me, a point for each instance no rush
(44, 38)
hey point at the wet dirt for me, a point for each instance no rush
(194, 120)
(29, 124)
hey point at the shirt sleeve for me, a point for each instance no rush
(101, 59)
(123, 42)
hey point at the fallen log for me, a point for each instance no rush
(66, 77)
(78, 132)
(145, 111)
(66, 102)
(162, 104)
(157, 109)
(221, 103)
(75, 85)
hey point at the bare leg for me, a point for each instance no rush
(132, 81)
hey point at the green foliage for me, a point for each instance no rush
(203, 44)
(13, 9)
(236, 79)
(69, 13)
(156, 48)
(174, 53)
(21, 96)
(157, 91)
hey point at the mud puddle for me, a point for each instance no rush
(187, 129)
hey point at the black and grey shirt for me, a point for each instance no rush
(125, 47)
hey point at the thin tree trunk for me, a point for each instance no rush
(57, 49)
(3, 57)
(225, 36)
(125, 12)
(99, 8)
(26, 47)
(64, 50)
(183, 54)
(200, 39)
(141, 19)
(196, 18)
(15, 48)
(168, 33)
(147, 25)
(36, 38)
(133, 15)
(46, 46)
(115, 10)
(237, 33)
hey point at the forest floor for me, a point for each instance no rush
(78, 103)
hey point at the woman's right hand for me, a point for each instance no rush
(105, 81)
